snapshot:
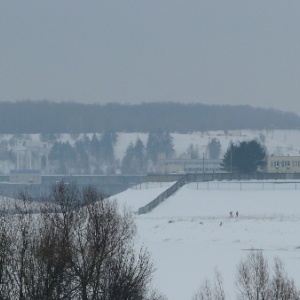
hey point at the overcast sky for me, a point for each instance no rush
(95, 51)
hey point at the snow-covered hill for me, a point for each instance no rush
(187, 242)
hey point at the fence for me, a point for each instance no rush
(245, 185)
(167, 193)
(151, 185)
(237, 176)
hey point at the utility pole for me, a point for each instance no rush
(231, 159)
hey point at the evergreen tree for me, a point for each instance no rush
(193, 151)
(140, 154)
(108, 142)
(214, 148)
(159, 143)
(167, 145)
(127, 167)
(151, 147)
(134, 161)
(82, 158)
(95, 147)
(246, 157)
(65, 155)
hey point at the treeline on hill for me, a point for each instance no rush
(50, 117)
(96, 155)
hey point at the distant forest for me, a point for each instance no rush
(50, 117)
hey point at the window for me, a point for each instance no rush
(274, 163)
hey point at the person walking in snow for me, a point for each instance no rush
(231, 214)
(237, 214)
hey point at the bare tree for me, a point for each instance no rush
(80, 246)
(208, 291)
(282, 288)
(205, 292)
(253, 277)
(254, 282)
(5, 258)
(98, 241)
(219, 293)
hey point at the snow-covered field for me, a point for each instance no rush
(188, 244)
(184, 235)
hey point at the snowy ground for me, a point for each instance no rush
(187, 242)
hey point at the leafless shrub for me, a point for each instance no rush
(208, 291)
(282, 288)
(253, 277)
(254, 281)
(219, 293)
(205, 292)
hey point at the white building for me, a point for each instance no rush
(283, 164)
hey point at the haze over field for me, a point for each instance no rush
(212, 52)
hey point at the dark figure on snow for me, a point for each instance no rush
(231, 214)
(237, 214)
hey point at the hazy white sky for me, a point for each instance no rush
(96, 51)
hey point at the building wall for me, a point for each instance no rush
(283, 164)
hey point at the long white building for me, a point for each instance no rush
(283, 164)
